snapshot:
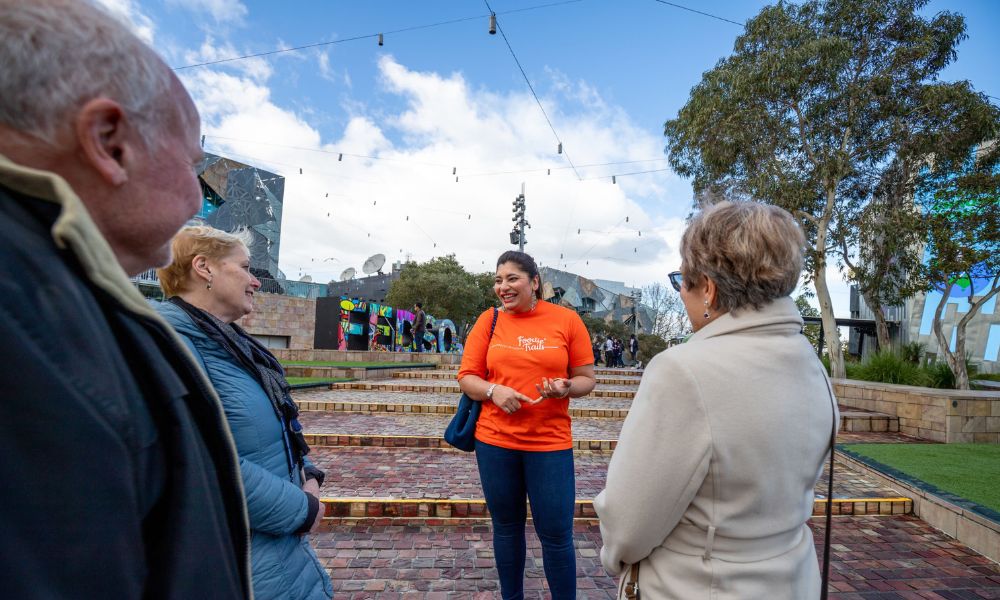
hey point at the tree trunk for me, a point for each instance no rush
(830, 330)
(959, 368)
(881, 327)
(943, 346)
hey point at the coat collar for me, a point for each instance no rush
(75, 230)
(778, 315)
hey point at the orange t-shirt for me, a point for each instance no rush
(546, 342)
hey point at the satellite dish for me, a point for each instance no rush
(306, 279)
(374, 264)
(347, 274)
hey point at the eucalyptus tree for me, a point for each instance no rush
(809, 111)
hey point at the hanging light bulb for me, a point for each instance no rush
(470, 217)
(328, 214)
(634, 250)
(456, 179)
(560, 147)
(640, 234)
(613, 179)
(626, 219)
(407, 217)
(300, 170)
(374, 202)
(454, 170)
(340, 157)
(381, 40)
(493, 23)
(550, 172)
(578, 231)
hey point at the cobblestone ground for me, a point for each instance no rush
(896, 557)
(584, 428)
(434, 398)
(873, 558)
(414, 473)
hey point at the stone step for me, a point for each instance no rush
(627, 371)
(436, 483)
(618, 381)
(854, 420)
(425, 430)
(373, 401)
(430, 386)
(872, 557)
(379, 372)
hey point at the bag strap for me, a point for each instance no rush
(829, 496)
(493, 326)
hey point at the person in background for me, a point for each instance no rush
(209, 287)
(597, 351)
(704, 493)
(633, 347)
(120, 476)
(538, 357)
(609, 351)
(419, 325)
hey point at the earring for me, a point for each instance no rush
(706, 315)
(209, 286)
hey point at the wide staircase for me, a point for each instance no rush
(406, 516)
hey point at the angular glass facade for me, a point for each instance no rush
(239, 195)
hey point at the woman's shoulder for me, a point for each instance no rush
(177, 318)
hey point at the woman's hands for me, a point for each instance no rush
(311, 487)
(556, 387)
(508, 399)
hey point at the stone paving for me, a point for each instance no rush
(418, 473)
(372, 424)
(875, 558)
(409, 522)
(449, 399)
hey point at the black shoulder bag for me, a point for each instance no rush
(461, 431)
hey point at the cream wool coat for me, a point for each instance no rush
(711, 483)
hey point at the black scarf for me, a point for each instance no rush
(265, 368)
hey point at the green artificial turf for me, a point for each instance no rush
(971, 471)
(348, 364)
(301, 380)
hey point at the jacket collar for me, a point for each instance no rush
(74, 230)
(778, 315)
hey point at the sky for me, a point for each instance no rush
(443, 99)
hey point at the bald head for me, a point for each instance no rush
(88, 100)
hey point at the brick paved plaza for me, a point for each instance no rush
(408, 519)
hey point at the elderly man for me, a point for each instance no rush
(119, 478)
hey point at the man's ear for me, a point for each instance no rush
(106, 139)
(711, 290)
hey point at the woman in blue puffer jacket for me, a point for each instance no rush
(209, 286)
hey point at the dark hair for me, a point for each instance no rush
(418, 304)
(526, 264)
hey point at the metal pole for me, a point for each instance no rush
(521, 224)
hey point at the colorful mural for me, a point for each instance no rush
(369, 326)
(447, 336)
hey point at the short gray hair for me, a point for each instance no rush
(753, 252)
(59, 54)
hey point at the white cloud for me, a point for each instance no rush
(258, 69)
(408, 202)
(221, 10)
(128, 12)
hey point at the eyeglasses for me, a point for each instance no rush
(676, 279)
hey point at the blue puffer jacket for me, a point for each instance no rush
(284, 565)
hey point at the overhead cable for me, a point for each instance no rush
(682, 7)
(378, 36)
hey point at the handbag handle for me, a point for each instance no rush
(829, 495)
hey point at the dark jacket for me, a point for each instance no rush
(284, 565)
(119, 475)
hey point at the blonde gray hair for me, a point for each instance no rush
(753, 252)
(60, 54)
(192, 241)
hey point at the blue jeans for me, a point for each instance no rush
(510, 477)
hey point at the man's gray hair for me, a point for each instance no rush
(60, 54)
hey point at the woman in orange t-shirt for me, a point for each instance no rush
(538, 358)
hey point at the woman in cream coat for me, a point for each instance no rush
(711, 484)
